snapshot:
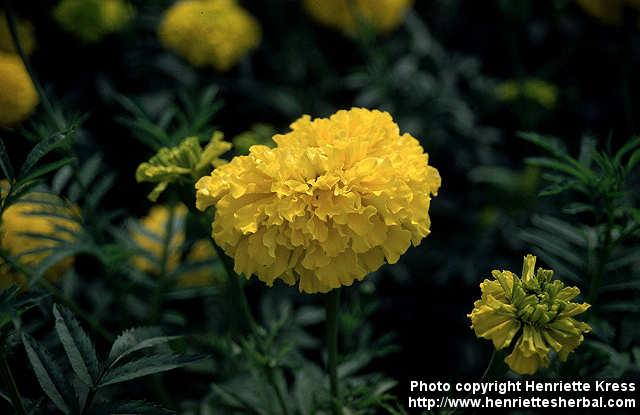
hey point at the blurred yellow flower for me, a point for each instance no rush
(155, 231)
(186, 161)
(608, 11)
(37, 221)
(325, 207)
(536, 90)
(25, 35)
(18, 96)
(216, 33)
(91, 20)
(536, 308)
(351, 15)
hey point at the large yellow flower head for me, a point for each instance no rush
(25, 35)
(608, 11)
(214, 33)
(535, 310)
(91, 20)
(31, 228)
(350, 15)
(334, 199)
(165, 226)
(18, 96)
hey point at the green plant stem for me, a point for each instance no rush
(331, 305)
(89, 400)
(246, 322)
(11, 21)
(604, 252)
(272, 381)
(14, 394)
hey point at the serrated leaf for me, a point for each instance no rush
(146, 365)
(50, 377)
(43, 148)
(5, 163)
(136, 339)
(129, 408)
(77, 345)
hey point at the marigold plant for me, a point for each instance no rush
(533, 308)
(214, 33)
(348, 16)
(329, 204)
(31, 228)
(91, 20)
(18, 95)
(25, 35)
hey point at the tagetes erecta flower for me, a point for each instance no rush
(329, 204)
(350, 16)
(539, 91)
(608, 11)
(91, 20)
(25, 35)
(534, 312)
(18, 96)
(186, 161)
(165, 226)
(31, 229)
(214, 33)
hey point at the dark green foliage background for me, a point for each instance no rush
(437, 75)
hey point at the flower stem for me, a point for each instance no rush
(332, 304)
(7, 376)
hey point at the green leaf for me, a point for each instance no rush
(136, 339)
(5, 163)
(43, 148)
(47, 168)
(50, 377)
(78, 346)
(128, 408)
(146, 365)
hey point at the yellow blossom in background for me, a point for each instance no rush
(349, 15)
(202, 251)
(25, 35)
(165, 226)
(533, 308)
(152, 234)
(216, 33)
(539, 91)
(91, 20)
(187, 161)
(36, 221)
(18, 96)
(329, 204)
(608, 11)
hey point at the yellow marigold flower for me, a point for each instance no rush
(186, 161)
(534, 307)
(350, 15)
(25, 35)
(334, 199)
(151, 235)
(214, 33)
(91, 20)
(539, 91)
(18, 96)
(37, 221)
(608, 11)
(201, 253)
